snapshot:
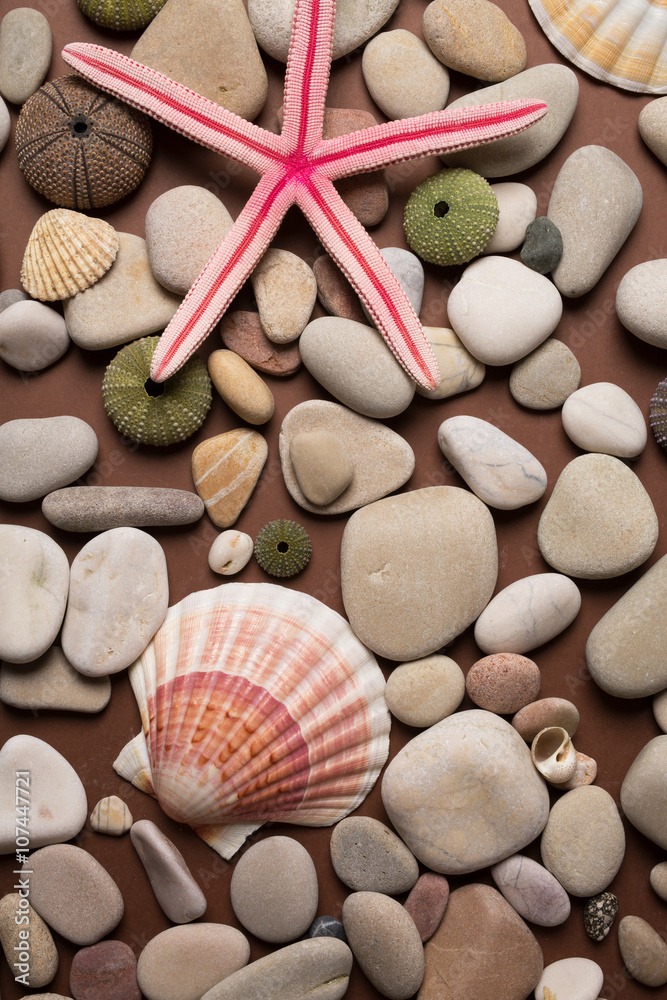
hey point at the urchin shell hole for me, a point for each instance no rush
(440, 210)
(283, 546)
(153, 389)
(80, 125)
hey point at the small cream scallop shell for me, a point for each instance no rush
(554, 755)
(67, 252)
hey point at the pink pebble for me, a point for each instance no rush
(503, 682)
(427, 902)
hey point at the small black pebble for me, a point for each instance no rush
(543, 246)
(327, 927)
(599, 914)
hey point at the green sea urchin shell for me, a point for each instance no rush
(450, 217)
(178, 407)
(282, 548)
(658, 414)
(121, 15)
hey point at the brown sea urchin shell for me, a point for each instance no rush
(658, 414)
(67, 252)
(80, 148)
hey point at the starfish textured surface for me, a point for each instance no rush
(297, 166)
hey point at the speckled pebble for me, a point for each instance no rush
(517, 208)
(51, 682)
(322, 465)
(104, 971)
(171, 880)
(32, 336)
(459, 370)
(604, 418)
(385, 943)
(503, 682)
(285, 290)
(423, 692)
(474, 37)
(184, 962)
(230, 552)
(427, 903)
(368, 856)
(543, 246)
(658, 879)
(41, 454)
(599, 914)
(545, 379)
(274, 890)
(327, 926)
(25, 53)
(240, 386)
(570, 979)
(533, 891)
(100, 508)
(528, 613)
(111, 816)
(242, 333)
(643, 951)
(22, 927)
(403, 76)
(539, 715)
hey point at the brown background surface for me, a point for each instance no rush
(612, 730)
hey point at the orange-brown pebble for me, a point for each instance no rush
(334, 290)
(539, 715)
(225, 470)
(242, 333)
(427, 902)
(241, 387)
(503, 682)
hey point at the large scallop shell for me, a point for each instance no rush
(623, 42)
(67, 252)
(258, 703)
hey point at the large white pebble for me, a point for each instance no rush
(641, 301)
(34, 579)
(572, 979)
(32, 336)
(528, 613)
(403, 76)
(517, 208)
(502, 310)
(498, 469)
(230, 552)
(119, 595)
(603, 418)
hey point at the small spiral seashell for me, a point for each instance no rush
(450, 217)
(67, 252)
(658, 414)
(121, 15)
(585, 773)
(151, 413)
(553, 754)
(282, 548)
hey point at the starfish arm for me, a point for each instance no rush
(308, 65)
(359, 259)
(438, 132)
(174, 105)
(224, 274)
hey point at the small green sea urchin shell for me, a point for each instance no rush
(282, 548)
(450, 217)
(121, 15)
(151, 413)
(658, 414)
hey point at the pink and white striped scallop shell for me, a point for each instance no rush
(258, 703)
(623, 42)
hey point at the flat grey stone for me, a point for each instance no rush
(546, 377)
(10, 295)
(32, 336)
(171, 880)
(385, 942)
(368, 857)
(99, 508)
(40, 455)
(25, 53)
(51, 682)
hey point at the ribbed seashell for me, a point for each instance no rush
(658, 414)
(121, 15)
(258, 704)
(111, 816)
(585, 773)
(553, 754)
(67, 252)
(623, 42)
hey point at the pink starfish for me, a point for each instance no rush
(297, 166)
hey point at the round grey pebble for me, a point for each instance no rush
(327, 926)
(11, 295)
(39, 455)
(599, 914)
(658, 879)
(543, 246)
(545, 379)
(32, 336)
(99, 508)
(25, 53)
(385, 942)
(368, 856)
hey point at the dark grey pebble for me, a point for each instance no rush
(98, 508)
(543, 246)
(10, 296)
(327, 927)
(599, 914)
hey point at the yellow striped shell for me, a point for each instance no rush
(67, 252)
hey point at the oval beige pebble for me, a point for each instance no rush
(353, 363)
(73, 893)
(459, 371)
(367, 856)
(315, 969)
(111, 816)
(425, 691)
(34, 580)
(25, 54)
(552, 83)
(533, 891)
(545, 379)
(32, 336)
(119, 594)
(171, 880)
(274, 890)
(658, 879)
(644, 791)
(573, 978)
(385, 942)
(436, 544)
(184, 962)
(503, 682)
(42, 454)
(502, 310)
(660, 709)
(21, 927)
(51, 682)
(643, 951)
(230, 552)
(242, 389)
(474, 37)
(539, 715)
(184, 227)
(528, 613)
(583, 842)
(599, 521)
(641, 301)
(322, 465)
(652, 124)
(285, 290)
(403, 76)
(517, 208)
(604, 418)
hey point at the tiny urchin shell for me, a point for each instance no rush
(450, 217)
(79, 147)
(282, 548)
(174, 414)
(658, 414)
(121, 15)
